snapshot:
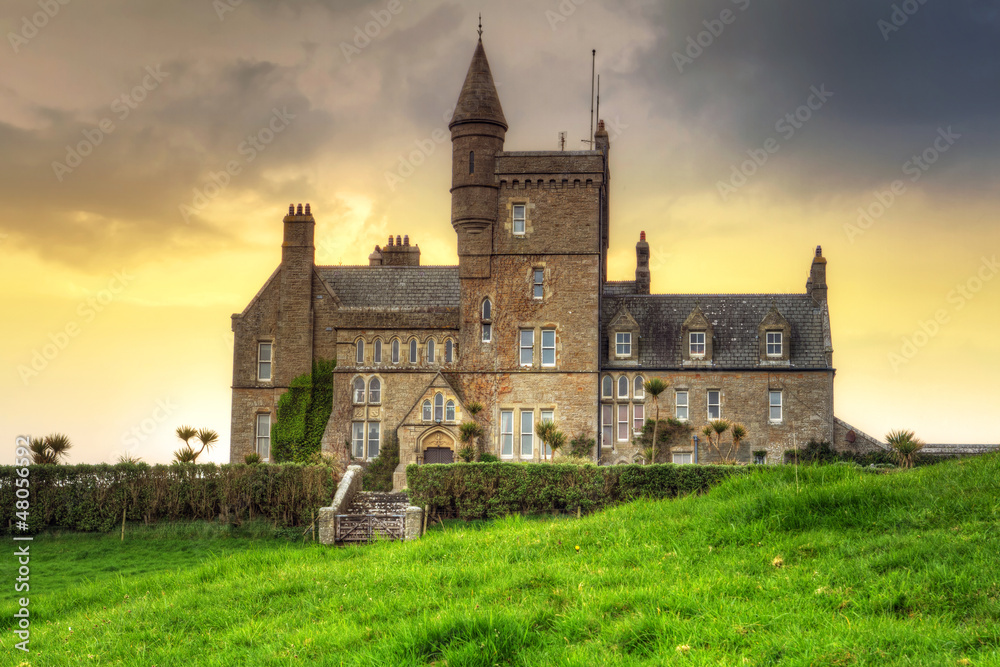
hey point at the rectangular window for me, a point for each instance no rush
(623, 423)
(527, 434)
(638, 417)
(682, 458)
(714, 404)
(759, 458)
(538, 288)
(527, 347)
(507, 433)
(548, 347)
(519, 218)
(774, 343)
(775, 406)
(697, 344)
(358, 438)
(607, 426)
(264, 361)
(682, 406)
(548, 416)
(264, 437)
(487, 333)
(623, 345)
(373, 439)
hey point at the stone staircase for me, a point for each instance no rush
(384, 504)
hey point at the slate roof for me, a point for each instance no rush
(619, 288)
(428, 289)
(478, 101)
(734, 319)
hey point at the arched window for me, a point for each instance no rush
(640, 388)
(439, 408)
(449, 351)
(449, 412)
(623, 387)
(395, 351)
(359, 390)
(427, 411)
(360, 356)
(487, 321)
(607, 387)
(430, 351)
(377, 355)
(375, 391)
(487, 310)
(413, 351)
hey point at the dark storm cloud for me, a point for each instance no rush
(896, 77)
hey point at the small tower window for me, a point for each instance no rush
(487, 320)
(519, 218)
(472, 162)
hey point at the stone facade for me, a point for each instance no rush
(527, 324)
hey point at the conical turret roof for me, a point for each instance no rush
(479, 102)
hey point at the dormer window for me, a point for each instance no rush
(519, 217)
(774, 344)
(623, 344)
(697, 343)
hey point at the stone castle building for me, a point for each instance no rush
(527, 325)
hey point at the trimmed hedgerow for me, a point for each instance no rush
(94, 497)
(489, 490)
(302, 414)
(378, 475)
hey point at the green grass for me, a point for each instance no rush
(842, 567)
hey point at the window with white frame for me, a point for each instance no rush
(774, 343)
(607, 387)
(377, 351)
(697, 344)
(527, 347)
(373, 439)
(438, 408)
(527, 433)
(395, 351)
(638, 417)
(681, 403)
(760, 458)
(358, 439)
(375, 391)
(538, 283)
(607, 426)
(430, 351)
(547, 416)
(775, 406)
(413, 351)
(427, 411)
(714, 404)
(264, 436)
(682, 458)
(449, 411)
(639, 393)
(449, 351)
(519, 211)
(623, 422)
(507, 433)
(264, 351)
(359, 390)
(487, 320)
(359, 356)
(623, 387)
(623, 344)
(548, 347)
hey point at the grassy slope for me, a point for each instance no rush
(874, 570)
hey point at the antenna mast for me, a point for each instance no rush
(598, 98)
(593, 71)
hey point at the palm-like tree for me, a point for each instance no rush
(739, 433)
(185, 433)
(128, 458)
(545, 430)
(50, 449)
(713, 431)
(207, 437)
(467, 433)
(185, 455)
(654, 387)
(906, 444)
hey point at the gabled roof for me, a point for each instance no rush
(479, 102)
(734, 318)
(394, 288)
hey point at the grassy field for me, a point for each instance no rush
(836, 567)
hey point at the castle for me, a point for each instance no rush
(527, 325)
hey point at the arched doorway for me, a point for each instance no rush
(438, 446)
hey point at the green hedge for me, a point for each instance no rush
(489, 490)
(93, 497)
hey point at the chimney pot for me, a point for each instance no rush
(406, 240)
(390, 242)
(291, 209)
(298, 211)
(308, 211)
(399, 240)
(642, 236)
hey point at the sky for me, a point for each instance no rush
(148, 151)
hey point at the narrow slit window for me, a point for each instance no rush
(377, 352)
(472, 162)
(449, 351)
(413, 351)
(430, 351)
(360, 355)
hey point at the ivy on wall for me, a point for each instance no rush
(302, 414)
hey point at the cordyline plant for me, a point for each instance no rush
(205, 436)
(50, 449)
(714, 431)
(654, 387)
(906, 445)
(551, 437)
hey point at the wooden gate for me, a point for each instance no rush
(439, 455)
(368, 527)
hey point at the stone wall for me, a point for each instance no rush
(349, 486)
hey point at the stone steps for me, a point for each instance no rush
(371, 502)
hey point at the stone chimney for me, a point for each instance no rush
(642, 276)
(816, 285)
(398, 253)
(375, 259)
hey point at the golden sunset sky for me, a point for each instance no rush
(126, 245)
